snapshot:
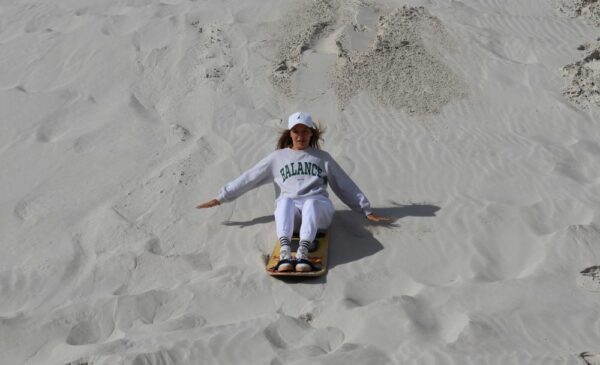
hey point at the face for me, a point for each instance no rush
(301, 135)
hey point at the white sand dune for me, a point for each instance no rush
(454, 117)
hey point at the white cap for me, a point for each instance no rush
(300, 118)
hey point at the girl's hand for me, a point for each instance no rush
(209, 204)
(377, 218)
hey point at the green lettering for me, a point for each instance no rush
(307, 168)
(313, 171)
(320, 170)
(287, 172)
(300, 169)
(282, 172)
(294, 172)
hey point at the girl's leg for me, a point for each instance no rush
(316, 215)
(285, 215)
(285, 212)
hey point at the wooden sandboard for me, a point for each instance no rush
(317, 257)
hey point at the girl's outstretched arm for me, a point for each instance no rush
(209, 204)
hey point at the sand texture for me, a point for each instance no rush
(586, 9)
(474, 123)
(398, 70)
(584, 77)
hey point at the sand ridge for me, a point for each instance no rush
(399, 70)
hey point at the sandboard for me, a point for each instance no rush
(317, 257)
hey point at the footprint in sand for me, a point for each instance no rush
(57, 123)
(70, 120)
(178, 134)
(19, 289)
(590, 278)
(366, 288)
(427, 320)
(157, 310)
(289, 335)
(185, 322)
(159, 270)
(91, 325)
(197, 261)
(160, 357)
(24, 288)
(84, 333)
(31, 210)
(153, 246)
(120, 24)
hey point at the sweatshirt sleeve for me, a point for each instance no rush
(346, 189)
(258, 175)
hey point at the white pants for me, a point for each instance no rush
(311, 214)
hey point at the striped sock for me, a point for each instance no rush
(285, 248)
(303, 249)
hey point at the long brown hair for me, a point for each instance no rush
(285, 138)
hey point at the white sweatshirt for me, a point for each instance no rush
(299, 174)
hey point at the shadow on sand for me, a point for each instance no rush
(350, 238)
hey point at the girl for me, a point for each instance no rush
(300, 171)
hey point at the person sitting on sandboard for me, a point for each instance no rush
(300, 171)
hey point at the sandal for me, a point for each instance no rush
(304, 265)
(283, 266)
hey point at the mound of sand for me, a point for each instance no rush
(301, 29)
(584, 78)
(588, 9)
(402, 67)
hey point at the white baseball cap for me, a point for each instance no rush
(300, 118)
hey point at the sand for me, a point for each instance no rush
(584, 76)
(472, 123)
(398, 69)
(297, 32)
(586, 9)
